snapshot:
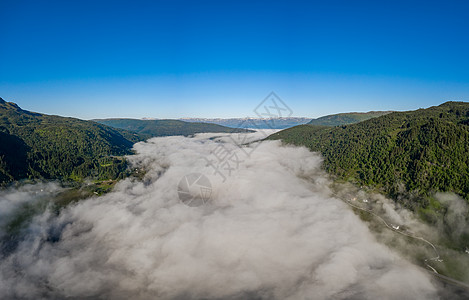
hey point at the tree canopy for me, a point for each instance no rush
(402, 153)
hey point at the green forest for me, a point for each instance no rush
(407, 155)
(34, 145)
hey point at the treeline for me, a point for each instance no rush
(408, 155)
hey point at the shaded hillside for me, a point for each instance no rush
(154, 128)
(347, 118)
(34, 145)
(411, 153)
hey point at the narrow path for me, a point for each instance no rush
(443, 278)
(437, 255)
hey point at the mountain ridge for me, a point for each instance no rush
(41, 146)
(347, 118)
(165, 127)
(401, 153)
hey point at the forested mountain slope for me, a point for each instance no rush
(258, 123)
(154, 128)
(347, 118)
(413, 153)
(34, 145)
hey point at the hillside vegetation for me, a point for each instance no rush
(34, 145)
(411, 153)
(347, 118)
(154, 128)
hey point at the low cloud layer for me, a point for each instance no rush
(272, 230)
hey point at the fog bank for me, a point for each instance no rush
(271, 230)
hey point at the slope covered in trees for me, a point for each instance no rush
(154, 128)
(34, 145)
(347, 118)
(411, 153)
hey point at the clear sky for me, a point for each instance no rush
(170, 59)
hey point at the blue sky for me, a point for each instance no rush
(170, 59)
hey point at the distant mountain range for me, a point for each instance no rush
(283, 123)
(422, 150)
(408, 155)
(255, 123)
